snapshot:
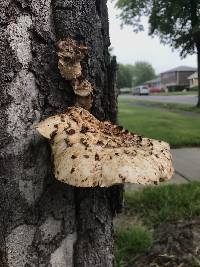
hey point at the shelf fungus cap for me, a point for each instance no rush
(70, 54)
(69, 71)
(82, 87)
(89, 153)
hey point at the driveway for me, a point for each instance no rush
(179, 99)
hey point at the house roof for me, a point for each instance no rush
(154, 80)
(180, 69)
(193, 76)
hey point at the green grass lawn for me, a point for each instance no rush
(155, 205)
(131, 242)
(169, 106)
(152, 206)
(178, 129)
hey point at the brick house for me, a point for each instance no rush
(177, 78)
(193, 79)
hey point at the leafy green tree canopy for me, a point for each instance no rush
(176, 22)
(142, 72)
(132, 75)
(124, 76)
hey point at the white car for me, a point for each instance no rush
(141, 90)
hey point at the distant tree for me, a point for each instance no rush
(176, 22)
(124, 76)
(142, 72)
(132, 75)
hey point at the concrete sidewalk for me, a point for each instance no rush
(187, 165)
(186, 162)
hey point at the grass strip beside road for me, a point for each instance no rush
(179, 130)
(177, 107)
(168, 106)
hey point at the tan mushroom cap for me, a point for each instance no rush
(69, 71)
(82, 87)
(89, 153)
(70, 54)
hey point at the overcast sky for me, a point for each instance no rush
(130, 47)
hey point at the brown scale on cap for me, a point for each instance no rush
(84, 129)
(97, 158)
(113, 156)
(70, 132)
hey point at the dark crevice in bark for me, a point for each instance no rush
(99, 6)
(112, 95)
(94, 246)
(38, 37)
(22, 6)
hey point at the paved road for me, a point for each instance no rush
(180, 99)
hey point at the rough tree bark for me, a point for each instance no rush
(44, 222)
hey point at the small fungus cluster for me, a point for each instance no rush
(89, 153)
(70, 54)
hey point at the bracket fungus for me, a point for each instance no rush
(89, 153)
(70, 54)
(82, 87)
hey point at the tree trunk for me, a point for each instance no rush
(198, 66)
(42, 221)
